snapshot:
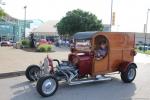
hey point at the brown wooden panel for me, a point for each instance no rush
(115, 58)
(127, 55)
(100, 65)
(120, 45)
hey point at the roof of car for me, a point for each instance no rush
(84, 35)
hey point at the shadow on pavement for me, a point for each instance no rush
(107, 90)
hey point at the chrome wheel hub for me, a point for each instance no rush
(131, 73)
(49, 86)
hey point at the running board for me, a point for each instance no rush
(89, 80)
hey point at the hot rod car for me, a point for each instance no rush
(93, 55)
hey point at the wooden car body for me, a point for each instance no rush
(120, 52)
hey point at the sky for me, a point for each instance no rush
(130, 14)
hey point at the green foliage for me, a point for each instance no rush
(140, 48)
(25, 43)
(41, 49)
(44, 48)
(147, 52)
(78, 21)
(141, 51)
(2, 13)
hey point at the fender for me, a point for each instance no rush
(124, 66)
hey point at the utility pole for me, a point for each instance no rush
(25, 7)
(111, 14)
(145, 29)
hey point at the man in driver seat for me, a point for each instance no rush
(101, 52)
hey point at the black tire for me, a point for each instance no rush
(126, 78)
(30, 72)
(40, 84)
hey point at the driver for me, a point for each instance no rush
(101, 52)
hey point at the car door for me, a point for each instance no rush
(100, 66)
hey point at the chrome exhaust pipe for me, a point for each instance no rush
(89, 80)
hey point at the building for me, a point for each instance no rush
(106, 28)
(46, 30)
(141, 38)
(7, 31)
(13, 29)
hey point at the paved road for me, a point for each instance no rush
(12, 60)
(19, 88)
(142, 58)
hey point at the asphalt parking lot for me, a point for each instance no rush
(12, 60)
(19, 88)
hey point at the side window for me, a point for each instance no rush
(101, 47)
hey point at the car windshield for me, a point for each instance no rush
(83, 45)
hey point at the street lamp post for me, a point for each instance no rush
(111, 14)
(145, 28)
(25, 7)
(147, 20)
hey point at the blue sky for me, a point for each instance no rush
(130, 14)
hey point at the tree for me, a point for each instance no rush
(2, 13)
(78, 21)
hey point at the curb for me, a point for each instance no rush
(11, 74)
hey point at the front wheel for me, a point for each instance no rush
(129, 75)
(47, 86)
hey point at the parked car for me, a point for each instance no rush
(93, 55)
(6, 43)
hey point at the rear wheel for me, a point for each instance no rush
(129, 75)
(32, 72)
(47, 86)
